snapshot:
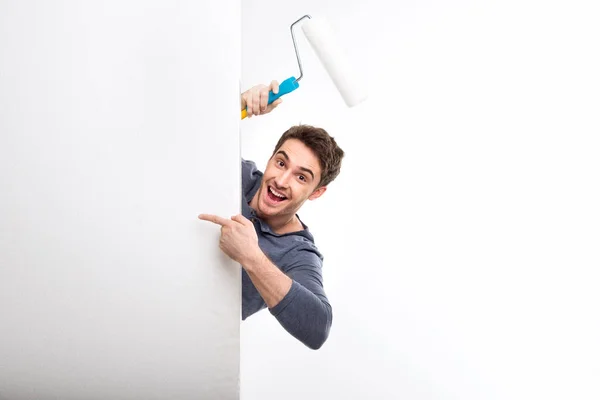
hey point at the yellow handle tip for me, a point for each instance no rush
(244, 113)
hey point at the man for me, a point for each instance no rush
(281, 263)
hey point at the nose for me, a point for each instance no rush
(282, 179)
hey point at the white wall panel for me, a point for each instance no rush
(119, 124)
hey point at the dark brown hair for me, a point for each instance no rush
(324, 146)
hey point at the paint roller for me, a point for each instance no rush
(340, 70)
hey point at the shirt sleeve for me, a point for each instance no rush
(250, 176)
(305, 311)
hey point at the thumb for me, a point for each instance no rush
(274, 87)
(241, 219)
(275, 104)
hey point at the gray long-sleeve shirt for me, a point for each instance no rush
(305, 311)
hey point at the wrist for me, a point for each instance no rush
(254, 258)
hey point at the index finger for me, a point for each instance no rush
(249, 101)
(215, 219)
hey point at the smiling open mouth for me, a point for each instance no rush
(274, 195)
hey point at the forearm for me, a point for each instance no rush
(272, 284)
(304, 315)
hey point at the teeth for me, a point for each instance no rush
(275, 193)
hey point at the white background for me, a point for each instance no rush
(119, 124)
(462, 238)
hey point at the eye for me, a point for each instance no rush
(280, 163)
(302, 178)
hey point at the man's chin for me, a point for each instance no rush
(271, 210)
(268, 210)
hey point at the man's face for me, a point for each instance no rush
(290, 178)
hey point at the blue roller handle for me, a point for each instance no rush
(285, 87)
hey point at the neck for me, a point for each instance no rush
(282, 224)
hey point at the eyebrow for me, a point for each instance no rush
(302, 168)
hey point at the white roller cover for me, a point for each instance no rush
(323, 41)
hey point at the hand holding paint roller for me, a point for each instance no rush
(255, 101)
(322, 40)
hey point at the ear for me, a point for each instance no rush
(317, 193)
